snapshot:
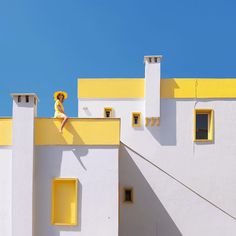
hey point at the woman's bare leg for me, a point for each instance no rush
(63, 123)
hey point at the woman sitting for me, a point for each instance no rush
(59, 97)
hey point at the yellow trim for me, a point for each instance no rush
(198, 88)
(64, 201)
(5, 131)
(111, 88)
(77, 131)
(139, 119)
(106, 109)
(132, 195)
(170, 88)
(210, 113)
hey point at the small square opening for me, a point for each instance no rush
(128, 195)
(136, 119)
(19, 99)
(107, 112)
(27, 98)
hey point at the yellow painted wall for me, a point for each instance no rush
(198, 88)
(5, 131)
(111, 88)
(77, 131)
(170, 88)
(64, 201)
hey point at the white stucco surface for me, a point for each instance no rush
(23, 166)
(152, 87)
(207, 168)
(97, 171)
(6, 191)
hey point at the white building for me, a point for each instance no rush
(146, 157)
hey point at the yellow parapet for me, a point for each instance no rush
(77, 131)
(170, 88)
(111, 88)
(5, 131)
(178, 88)
(198, 88)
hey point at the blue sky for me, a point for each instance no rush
(46, 45)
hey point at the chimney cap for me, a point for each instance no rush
(25, 94)
(153, 58)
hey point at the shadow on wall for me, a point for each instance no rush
(48, 167)
(147, 215)
(76, 138)
(165, 134)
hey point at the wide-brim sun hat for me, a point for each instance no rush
(60, 92)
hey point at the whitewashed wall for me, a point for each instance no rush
(207, 168)
(5, 190)
(96, 168)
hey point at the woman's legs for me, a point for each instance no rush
(63, 123)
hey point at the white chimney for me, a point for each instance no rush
(24, 112)
(152, 89)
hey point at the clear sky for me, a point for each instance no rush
(46, 45)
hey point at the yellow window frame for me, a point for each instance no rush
(107, 109)
(210, 114)
(64, 201)
(139, 119)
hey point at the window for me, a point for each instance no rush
(27, 98)
(203, 125)
(136, 119)
(64, 201)
(107, 112)
(128, 195)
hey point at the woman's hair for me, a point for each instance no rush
(59, 95)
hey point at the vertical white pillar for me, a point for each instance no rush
(152, 89)
(24, 111)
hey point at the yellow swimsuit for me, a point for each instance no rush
(57, 113)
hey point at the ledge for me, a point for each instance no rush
(77, 131)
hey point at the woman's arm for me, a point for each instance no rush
(60, 109)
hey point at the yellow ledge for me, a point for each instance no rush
(77, 131)
(5, 131)
(170, 88)
(111, 88)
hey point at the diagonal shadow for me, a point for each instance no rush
(147, 215)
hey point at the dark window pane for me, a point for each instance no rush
(108, 113)
(135, 120)
(128, 195)
(202, 126)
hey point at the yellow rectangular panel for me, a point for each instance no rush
(198, 88)
(178, 88)
(111, 88)
(64, 201)
(216, 88)
(5, 131)
(78, 131)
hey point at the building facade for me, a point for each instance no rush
(145, 157)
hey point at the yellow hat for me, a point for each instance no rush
(60, 92)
